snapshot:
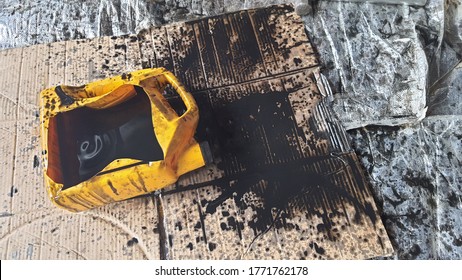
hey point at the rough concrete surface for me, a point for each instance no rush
(374, 59)
(446, 97)
(386, 63)
(417, 180)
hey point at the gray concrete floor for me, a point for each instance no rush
(395, 71)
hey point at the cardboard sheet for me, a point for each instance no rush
(285, 183)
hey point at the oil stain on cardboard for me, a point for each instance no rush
(284, 183)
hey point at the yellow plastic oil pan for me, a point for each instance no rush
(117, 138)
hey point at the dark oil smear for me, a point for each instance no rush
(252, 140)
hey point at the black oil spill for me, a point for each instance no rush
(212, 246)
(454, 199)
(170, 240)
(419, 180)
(13, 191)
(65, 99)
(178, 226)
(132, 242)
(36, 161)
(297, 61)
(121, 47)
(254, 142)
(260, 154)
(126, 76)
(317, 248)
(412, 253)
(114, 190)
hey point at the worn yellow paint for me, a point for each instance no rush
(174, 133)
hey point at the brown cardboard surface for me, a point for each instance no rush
(253, 68)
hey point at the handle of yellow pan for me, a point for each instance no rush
(174, 133)
(108, 92)
(113, 91)
(186, 97)
(98, 95)
(154, 85)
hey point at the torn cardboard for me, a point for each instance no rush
(284, 172)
